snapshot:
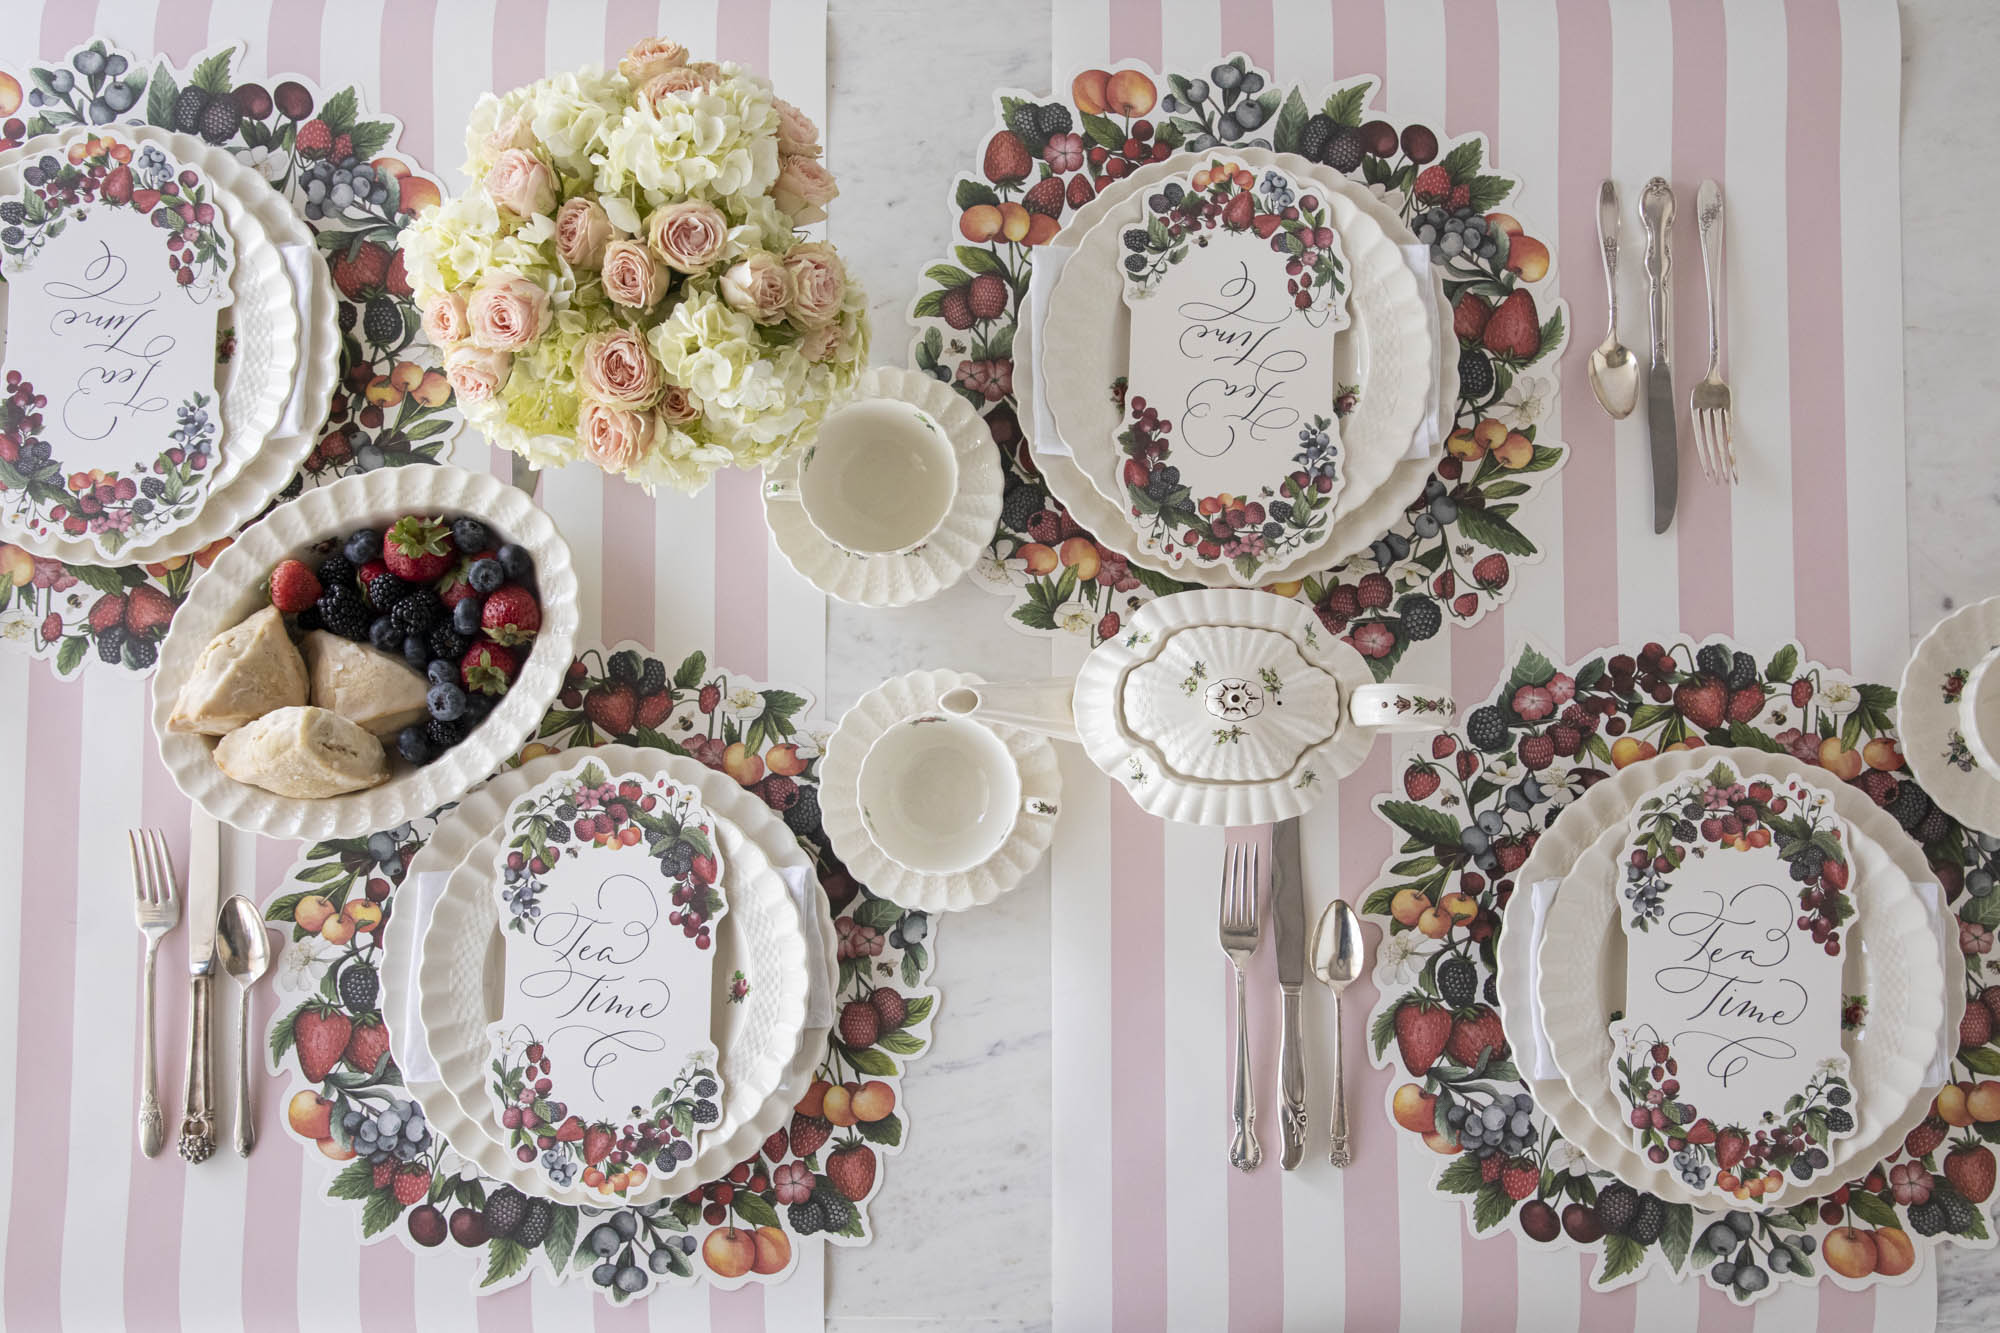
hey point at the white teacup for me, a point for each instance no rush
(879, 479)
(941, 794)
(1979, 712)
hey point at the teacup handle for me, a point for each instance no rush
(781, 488)
(1392, 707)
(1040, 805)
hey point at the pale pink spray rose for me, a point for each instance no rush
(476, 373)
(631, 276)
(688, 235)
(758, 285)
(677, 406)
(650, 56)
(673, 82)
(444, 319)
(819, 282)
(803, 189)
(797, 135)
(823, 343)
(612, 437)
(615, 368)
(506, 311)
(582, 232)
(513, 132)
(521, 183)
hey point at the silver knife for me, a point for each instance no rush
(1656, 211)
(1288, 921)
(204, 900)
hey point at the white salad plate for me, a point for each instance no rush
(1086, 333)
(1939, 744)
(875, 712)
(1571, 999)
(767, 1051)
(287, 344)
(910, 576)
(234, 587)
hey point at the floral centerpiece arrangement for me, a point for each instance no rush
(627, 282)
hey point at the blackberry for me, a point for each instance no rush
(13, 213)
(677, 859)
(839, 1212)
(1927, 1218)
(1457, 981)
(1910, 805)
(624, 667)
(566, 812)
(1838, 1096)
(1839, 1121)
(807, 1216)
(1933, 827)
(1649, 1221)
(706, 1112)
(506, 1208)
(1022, 503)
(1314, 138)
(1617, 1207)
(1685, 831)
(1491, 991)
(111, 644)
(442, 734)
(359, 987)
(219, 121)
(188, 108)
(382, 323)
(1281, 510)
(1343, 150)
(416, 612)
(344, 613)
(1487, 729)
(653, 676)
(308, 620)
(1713, 661)
(1051, 119)
(535, 1224)
(1475, 374)
(1742, 671)
(559, 833)
(336, 569)
(1961, 1215)
(142, 652)
(704, 1087)
(1421, 617)
(446, 642)
(385, 590)
(153, 488)
(803, 818)
(1021, 120)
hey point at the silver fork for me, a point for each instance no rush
(1239, 932)
(1710, 397)
(156, 904)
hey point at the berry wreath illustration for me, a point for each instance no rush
(812, 1178)
(1469, 812)
(1450, 557)
(342, 168)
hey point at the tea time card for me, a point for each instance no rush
(117, 263)
(1228, 453)
(1728, 1058)
(604, 1072)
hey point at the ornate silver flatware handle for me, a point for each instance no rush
(198, 1120)
(152, 1120)
(1244, 1150)
(1339, 1155)
(1292, 1081)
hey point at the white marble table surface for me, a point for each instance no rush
(961, 1222)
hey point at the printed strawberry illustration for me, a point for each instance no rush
(1422, 1031)
(107, 612)
(1990, 998)
(1538, 752)
(988, 296)
(412, 1183)
(1468, 764)
(487, 668)
(1265, 225)
(1701, 1132)
(320, 1033)
(1970, 1169)
(890, 1006)
(851, 1170)
(1473, 1034)
(315, 139)
(1420, 780)
(1926, 1138)
(1703, 701)
(1745, 704)
(1730, 1145)
(366, 1044)
(1976, 1028)
(598, 1141)
(1081, 191)
(809, 1133)
(1489, 573)
(1802, 692)
(955, 306)
(1514, 330)
(1469, 316)
(417, 550)
(147, 609)
(384, 1174)
(1236, 213)
(571, 1130)
(655, 708)
(1442, 745)
(511, 615)
(1007, 158)
(1520, 1178)
(611, 707)
(860, 1024)
(1490, 1167)
(1433, 185)
(360, 268)
(1046, 197)
(117, 185)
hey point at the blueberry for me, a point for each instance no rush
(363, 546)
(625, 1224)
(465, 616)
(687, 1244)
(602, 1241)
(469, 534)
(660, 1260)
(413, 745)
(1227, 126)
(441, 672)
(417, 652)
(384, 634)
(520, 566)
(446, 702)
(631, 1279)
(604, 1274)
(486, 575)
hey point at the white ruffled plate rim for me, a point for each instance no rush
(1928, 721)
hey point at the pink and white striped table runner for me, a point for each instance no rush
(94, 1235)
(1794, 108)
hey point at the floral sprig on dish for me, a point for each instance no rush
(1230, 196)
(102, 171)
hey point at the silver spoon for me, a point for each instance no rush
(1337, 956)
(244, 948)
(1614, 371)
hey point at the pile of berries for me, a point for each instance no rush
(1645, 884)
(396, 1133)
(1504, 1126)
(459, 607)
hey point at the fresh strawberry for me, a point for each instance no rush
(107, 611)
(655, 708)
(1237, 212)
(1007, 158)
(366, 1044)
(1520, 1178)
(417, 550)
(487, 668)
(1433, 185)
(809, 1133)
(1969, 1168)
(1703, 701)
(1473, 1034)
(851, 1170)
(455, 587)
(1515, 330)
(1422, 1031)
(1046, 197)
(294, 587)
(320, 1032)
(1746, 703)
(598, 1141)
(512, 615)
(1730, 1145)
(861, 1024)
(1420, 780)
(1468, 318)
(412, 1183)
(611, 707)
(1927, 1137)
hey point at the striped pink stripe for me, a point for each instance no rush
(407, 48)
(293, 39)
(1138, 28)
(507, 1310)
(44, 988)
(1720, 1313)
(180, 28)
(1251, 26)
(1813, 269)
(1139, 1170)
(1361, 43)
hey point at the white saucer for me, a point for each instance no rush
(1935, 744)
(913, 576)
(840, 806)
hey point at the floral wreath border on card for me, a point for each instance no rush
(1468, 814)
(1450, 558)
(392, 406)
(816, 1177)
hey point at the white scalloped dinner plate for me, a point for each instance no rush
(1381, 480)
(913, 576)
(460, 971)
(233, 588)
(840, 803)
(254, 465)
(1556, 853)
(1931, 721)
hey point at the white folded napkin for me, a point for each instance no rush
(819, 981)
(298, 261)
(1933, 900)
(414, 904)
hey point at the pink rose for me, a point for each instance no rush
(650, 56)
(631, 276)
(758, 285)
(677, 406)
(674, 82)
(582, 232)
(476, 373)
(823, 343)
(612, 437)
(689, 235)
(615, 369)
(797, 135)
(521, 183)
(506, 311)
(510, 133)
(444, 319)
(819, 281)
(803, 189)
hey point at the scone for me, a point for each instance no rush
(305, 753)
(242, 674)
(363, 684)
